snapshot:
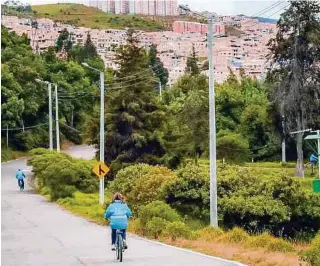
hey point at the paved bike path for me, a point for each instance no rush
(37, 232)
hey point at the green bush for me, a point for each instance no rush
(251, 198)
(157, 209)
(39, 151)
(62, 174)
(312, 255)
(177, 229)
(156, 226)
(189, 193)
(142, 183)
(30, 139)
(228, 142)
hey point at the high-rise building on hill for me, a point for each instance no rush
(139, 7)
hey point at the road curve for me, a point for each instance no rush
(37, 232)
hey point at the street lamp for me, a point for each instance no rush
(212, 121)
(101, 198)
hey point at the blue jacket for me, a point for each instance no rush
(118, 213)
(313, 159)
(20, 175)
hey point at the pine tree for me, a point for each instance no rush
(157, 66)
(89, 48)
(64, 43)
(134, 113)
(192, 63)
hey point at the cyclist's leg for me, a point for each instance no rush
(22, 183)
(124, 235)
(113, 236)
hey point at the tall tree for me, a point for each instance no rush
(86, 52)
(133, 110)
(157, 66)
(64, 43)
(192, 63)
(295, 52)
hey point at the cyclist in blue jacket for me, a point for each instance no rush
(118, 213)
(20, 176)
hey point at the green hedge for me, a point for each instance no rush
(62, 174)
(142, 183)
(276, 202)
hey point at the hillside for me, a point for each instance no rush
(89, 17)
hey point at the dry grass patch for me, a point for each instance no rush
(239, 252)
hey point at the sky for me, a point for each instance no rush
(221, 7)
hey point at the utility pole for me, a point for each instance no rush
(212, 121)
(101, 190)
(50, 111)
(283, 143)
(7, 137)
(212, 126)
(57, 119)
(50, 117)
(318, 135)
(102, 133)
(160, 89)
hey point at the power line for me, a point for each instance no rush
(113, 85)
(24, 128)
(257, 22)
(134, 75)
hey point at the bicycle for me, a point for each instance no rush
(119, 245)
(21, 185)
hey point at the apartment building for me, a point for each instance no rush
(139, 7)
(188, 26)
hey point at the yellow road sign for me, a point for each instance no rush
(100, 169)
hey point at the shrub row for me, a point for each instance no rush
(61, 174)
(277, 203)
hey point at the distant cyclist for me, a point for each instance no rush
(313, 159)
(118, 213)
(20, 176)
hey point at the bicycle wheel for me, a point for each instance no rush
(120, 247)
(117, 247)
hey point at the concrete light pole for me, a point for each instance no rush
(101, 198)
(57, 119)
(50, 111)
(212, 121)
(212, 127)
(160, 89)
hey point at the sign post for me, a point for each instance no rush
(316, 182)
(100, 169)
